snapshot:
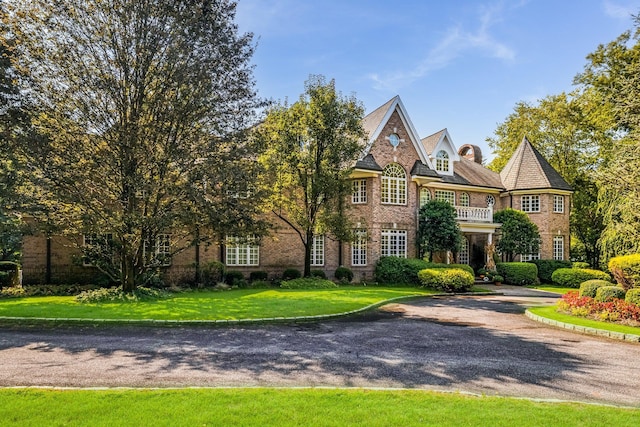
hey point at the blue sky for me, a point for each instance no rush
(459, 64)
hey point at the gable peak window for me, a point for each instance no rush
(394, 185)
(443, 162)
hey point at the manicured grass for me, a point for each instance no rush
(553, 288)
(210, 305)
(551, 313)
(292, 407)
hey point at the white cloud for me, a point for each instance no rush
(620, 11)
(456, 42)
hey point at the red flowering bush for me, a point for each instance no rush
(617, 310)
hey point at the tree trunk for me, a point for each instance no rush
(307, 254)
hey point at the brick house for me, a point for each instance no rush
(396, 174)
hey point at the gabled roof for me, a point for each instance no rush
(368, 163)
(374, 122)
(420, 169)
(528, 170)
(440, 140)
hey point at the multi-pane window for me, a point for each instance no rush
(359, 248)
(530, 204)
(463, 255)
(425, 196)
(359, 193)
(464, 199)
(529, 257)
(158, 253)
(558, 204)
(394, 243)
(394, 185)
(558, 247)
(242, 251)
(442, 161)
(317, 250)
(446, 196)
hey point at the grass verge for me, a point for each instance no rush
(210, 305)
(292, 407)
(553, 288)
(550, 313)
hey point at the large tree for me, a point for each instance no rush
(142, 105)
(311, 147)
(518, 235)
(438, 229)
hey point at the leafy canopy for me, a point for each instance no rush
(518, 235)
(438, 229)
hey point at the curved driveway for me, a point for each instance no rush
(480, 344)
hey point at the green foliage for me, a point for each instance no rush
(309, 149)
(212, 273)
(291, 273)
(118, 295)
(232, 278)
(633, 296)
(344, 274)
(518, 273)
(573, 277)
(9, 274)
(260, 284)
(609, 293)
(395, 270)
(518, 236)
(498, 278)
(11, 232)
(258, 276)
(626, 270)
(318, 273)
(589, 287)
(438, 229)
(446, 279)
(463, 267)
(579, 264)
(546, 267)
(308, 283)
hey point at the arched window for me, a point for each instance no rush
(425, 196)
(442, 161)
(464, 199)
(394, 185)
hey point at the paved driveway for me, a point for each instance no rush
(480, 344)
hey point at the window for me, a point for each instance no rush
(359, 248)
(394, 185)
(464, 199)
(425, 196)
(529, 257)
(98, 247)
(242, 252)
(359, 194)
(530, 204)
(317, 250)
(558, 204)
(490, 200)
(442, 161)
(558, 247)
(394, 140)
(394, 243)
(463, 256)
(446, 196)
(159, 253)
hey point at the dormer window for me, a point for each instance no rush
(442, 161)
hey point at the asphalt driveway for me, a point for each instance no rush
(479, 344)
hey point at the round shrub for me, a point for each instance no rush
(518, 273)
(429, 277)
(546, 267)
(633, 296)
(308, 283)
(258, 275)
(344, 274)
(446, 279)
(580, 264)
(589, 288)
(233, 278)
(608, 293)
(573, 277)
(626, 270)
(318, 273)
(291, 273)
(212, 273)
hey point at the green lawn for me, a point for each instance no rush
(210, 305)
(553, 288)
(550, 313)
(292, 407)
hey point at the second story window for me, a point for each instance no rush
(359, 191)
(425, 196)
(558, 204)
(442, 161)
(446, 196)
(394, 185)
(464, 199)
(530, 204)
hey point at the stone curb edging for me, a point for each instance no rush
(584, 329)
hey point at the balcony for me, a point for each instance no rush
(472, 214)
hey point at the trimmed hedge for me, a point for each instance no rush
(626, 270)
(546, 267)
(318, 273)
(394, 270)
(308, 283)
(291, 273)
(589, 288)
(463, 267)
(234, 278)
(344, 274)
(259, 275)
(573, 277)
(212, 273)
(518, 273)
(580, 264)
(446, 279)
(633, 296)
(609, 293)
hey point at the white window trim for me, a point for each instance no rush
(359, 248)
(161, 250)
(558, 250)
(446, 196)
(395, 192)
(527, 203)
(464, 199)
(393, 243)
(234, 251)
(558, 203)
(443, 162)
(424, 200)
(359, 191)
(317, 251)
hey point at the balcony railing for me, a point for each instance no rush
(466, 213)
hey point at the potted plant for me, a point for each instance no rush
(482, 272)
(498, 279)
